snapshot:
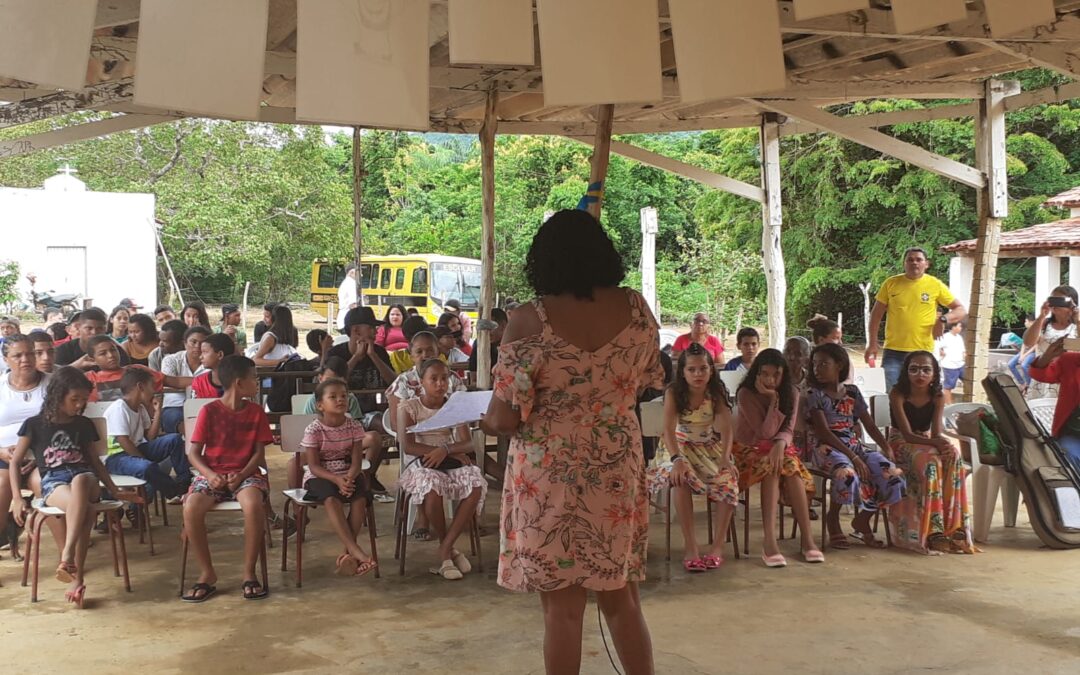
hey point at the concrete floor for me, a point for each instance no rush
(1014, 608)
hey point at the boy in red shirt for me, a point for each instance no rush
(227, 448)
(105, 354)
(208, 383)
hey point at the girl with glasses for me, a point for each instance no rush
(933, 517)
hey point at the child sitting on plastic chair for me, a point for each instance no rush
(228, 450)
(438, 467)
(62, 441)
(335, 456)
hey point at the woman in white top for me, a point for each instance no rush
(1057, 319)
(22, 391)
(278, 344)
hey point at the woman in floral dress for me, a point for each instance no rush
(575, 509)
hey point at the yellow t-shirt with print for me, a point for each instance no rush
(401, 360)
(909, 322)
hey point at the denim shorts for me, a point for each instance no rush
(54, 478)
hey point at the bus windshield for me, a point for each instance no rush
(459, 281)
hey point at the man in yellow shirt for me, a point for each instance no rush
(911, 300)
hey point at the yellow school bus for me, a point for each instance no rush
(424, 281)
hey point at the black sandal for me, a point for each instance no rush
(259, 594)
(206, 589)
(422, 534)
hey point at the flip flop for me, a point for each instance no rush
(421, 534)
(207, 590)
(712, 562)
(251, 585)
(77, 596)
(839, 542)
(461, 562)
(870, 541)
(345, 565)
(365, 567)
(777, 560)
(694, 566)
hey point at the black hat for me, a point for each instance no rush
(226, 310)
(453, 303)
(360, 316)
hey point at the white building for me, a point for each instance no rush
(100, 245)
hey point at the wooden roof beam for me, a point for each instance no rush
(78, 132)
(847, 128)
(694, 173)
(1061, 58)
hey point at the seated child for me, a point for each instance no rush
(422, 346)
(185, 363)
(871, 477)
(320, 343)
(448, 347)
(401, 359)
(228, 450)
(334, 450)
(438, 466)
(698, 433)
(106, 379)
(171, 340)
(212, 350)
(336, 369)
(137, 447)
(63, 444)
(747, 340)
(44, 351)
(143, 338)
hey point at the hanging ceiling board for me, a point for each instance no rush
(915, 15)
(363, 62)
(492, 32)
(813, 9)
(600, 51)
(47, 43)
(1010, 16)
(726, 48)
(219, 74)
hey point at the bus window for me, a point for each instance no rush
(365, 276)
(375, 275)
(419, 280)
(399, 281)
(330, 275)
(384, 282)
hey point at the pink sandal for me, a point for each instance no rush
(694, 566)
(712, 562)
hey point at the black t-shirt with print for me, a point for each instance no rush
(70, 352)
(365, 375)
(58, 445)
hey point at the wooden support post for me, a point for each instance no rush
(358, 194)
(993, 207)
(487, 250)
(605, 115)
(649, 228)
(772, 218)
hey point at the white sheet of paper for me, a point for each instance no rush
(1068, 500)
(463, 407)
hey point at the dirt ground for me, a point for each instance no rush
(1013, 608)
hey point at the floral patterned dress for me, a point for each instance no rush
(703, 450)
(575, 509)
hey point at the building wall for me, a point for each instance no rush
(116, 230)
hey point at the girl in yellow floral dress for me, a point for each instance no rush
(698, 433)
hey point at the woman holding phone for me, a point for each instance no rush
(1057, 319)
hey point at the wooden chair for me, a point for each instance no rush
(225, 507)
(41, 513)
(292, 432)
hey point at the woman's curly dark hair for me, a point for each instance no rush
(571, 253)
(903, 385)
(714, 389)
(786, 390)
(63, 381)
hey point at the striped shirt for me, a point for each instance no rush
(334, 445)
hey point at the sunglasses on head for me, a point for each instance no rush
(925, 370)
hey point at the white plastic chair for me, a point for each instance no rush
(138, 485)
(299, 403)
(1043, 410)
(869, 380)
(96, 409)
(987, 480)
(732, 379)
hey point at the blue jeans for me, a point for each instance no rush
(892, 362)
(170, 447)
(171, 419)
(1071, 446)
(1019, 369)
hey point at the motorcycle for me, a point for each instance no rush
(66, 303)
